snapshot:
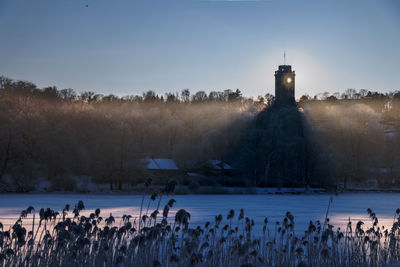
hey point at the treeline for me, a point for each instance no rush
(357, 140)
(350, 142)
(65, 137)
(62, 136)
(352, 94)
(22, 88)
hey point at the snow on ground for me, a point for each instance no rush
(205, 207)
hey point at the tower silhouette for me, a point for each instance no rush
(284, 84)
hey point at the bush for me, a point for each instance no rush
(182, 190)
(208, 181)
(64, 183)
(194, 185)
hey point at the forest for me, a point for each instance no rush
(62, 138)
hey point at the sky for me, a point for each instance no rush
(127, 47)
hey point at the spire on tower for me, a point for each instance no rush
(284, 57)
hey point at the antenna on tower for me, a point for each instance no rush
(284, 57)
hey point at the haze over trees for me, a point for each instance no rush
(66, 137)
(358, 138)
(58, 134)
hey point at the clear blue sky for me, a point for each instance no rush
(127, 47)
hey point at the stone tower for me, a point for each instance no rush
(284, 85)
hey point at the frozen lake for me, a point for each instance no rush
(205, 207)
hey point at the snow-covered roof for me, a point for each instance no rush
(217, 164)
(159, 164)
(381, 170)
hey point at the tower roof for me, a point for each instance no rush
(285, 68)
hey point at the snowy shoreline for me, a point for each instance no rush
(209, 190)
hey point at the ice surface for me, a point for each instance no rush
(205, 207)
